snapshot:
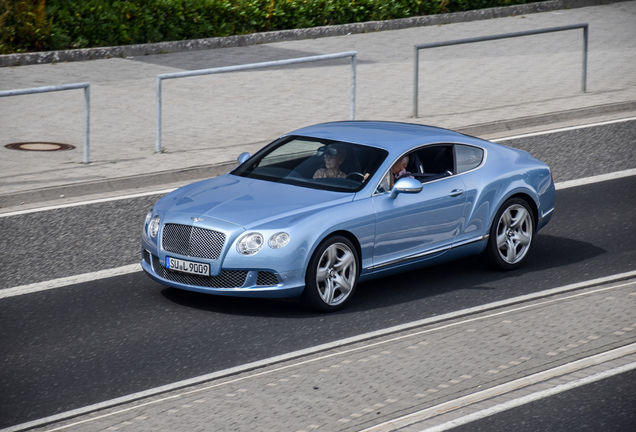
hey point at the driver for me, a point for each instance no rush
(334, 157)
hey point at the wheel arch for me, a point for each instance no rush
(341, 232)
(344, 233)
(352, 238)
(527, 199)
(531, 203)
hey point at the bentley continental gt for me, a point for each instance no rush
(327, 206)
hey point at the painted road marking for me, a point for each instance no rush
(595, 179)
(81, 203)
(565, 129)
(70, 280)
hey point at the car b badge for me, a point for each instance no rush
(194, 219)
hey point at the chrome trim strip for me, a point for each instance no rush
(547, 213)
(472, 240)
(434, 251)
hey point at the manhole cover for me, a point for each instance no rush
(39, 146)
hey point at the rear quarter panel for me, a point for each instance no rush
(506, 172)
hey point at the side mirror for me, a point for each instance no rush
(406, 185)
(243, 157)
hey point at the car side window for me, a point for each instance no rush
(467, 157)
(436, 159)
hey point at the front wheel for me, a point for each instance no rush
(332, 275)
(511, 235)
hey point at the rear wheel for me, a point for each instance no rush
(511, 235)
(332, 275)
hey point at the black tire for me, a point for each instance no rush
(332, 275)
(511, 235)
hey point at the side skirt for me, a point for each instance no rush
(469, 247)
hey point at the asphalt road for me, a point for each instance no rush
(81, 344)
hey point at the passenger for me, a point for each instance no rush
(398, 171)
(334, 157)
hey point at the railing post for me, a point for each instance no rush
(158, 148)
(352, 107)
(416, 72)
(584, 78)
(87, 123)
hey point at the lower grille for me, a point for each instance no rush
(266, 279)
(227, 278)
(146, 256)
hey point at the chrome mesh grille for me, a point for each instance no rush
(227, 278)
(266, 279)
(192, 241)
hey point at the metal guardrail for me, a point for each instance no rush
(87, 102)
(352, 54)
(417, 49)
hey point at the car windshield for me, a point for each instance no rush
(314, 163)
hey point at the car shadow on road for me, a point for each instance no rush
(267, 308)
(541, 271)
(549, 254)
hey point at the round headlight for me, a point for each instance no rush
(153, 227)
(278, 240)
(148, 216)
(250, 243)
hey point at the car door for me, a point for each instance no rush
(415, 224)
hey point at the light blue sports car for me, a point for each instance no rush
(327, 206)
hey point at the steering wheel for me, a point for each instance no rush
(352, 175)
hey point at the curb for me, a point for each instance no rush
(160, 180)
(290, 35)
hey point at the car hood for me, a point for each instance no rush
(248, 202)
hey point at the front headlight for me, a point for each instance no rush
(278, 240)
(153, 227)
(250, 243)
(148, 216)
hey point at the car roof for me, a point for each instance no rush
(392, 136)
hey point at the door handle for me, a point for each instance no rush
(456, 192)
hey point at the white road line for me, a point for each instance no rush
(585, 126)
(54, 207)
(595, 179)
(81, 203)
(71, 280)
(531, 398)
(321, 348)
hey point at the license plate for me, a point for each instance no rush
(187, 266)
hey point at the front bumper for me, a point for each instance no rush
(229, 282)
